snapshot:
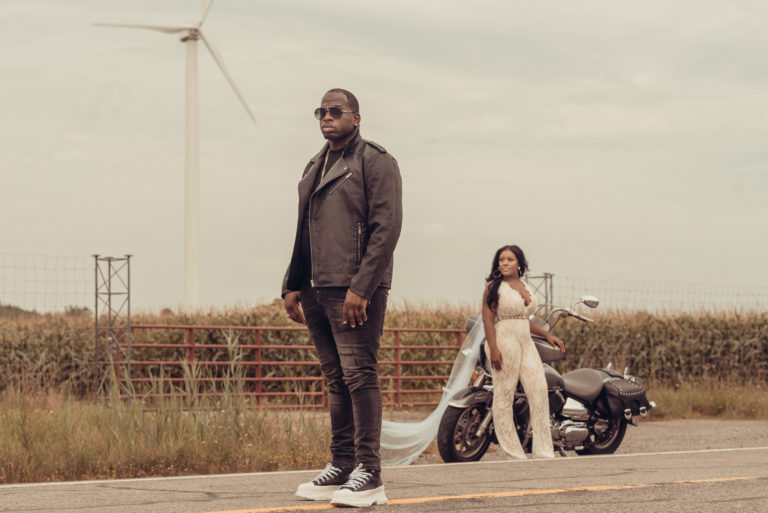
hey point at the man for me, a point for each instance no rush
(350, 213)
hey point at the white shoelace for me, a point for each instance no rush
(357, 478)
(329, 473)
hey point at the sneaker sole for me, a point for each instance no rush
(359, 499)
(316, 493)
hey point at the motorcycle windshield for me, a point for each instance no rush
(402, 442)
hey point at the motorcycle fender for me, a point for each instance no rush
(469, 396)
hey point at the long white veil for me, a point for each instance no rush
(402, 442)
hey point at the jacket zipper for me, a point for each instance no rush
(340, 182)
(309, 217)
(311, 257)
(359, 243)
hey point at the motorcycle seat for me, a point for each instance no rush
(583, 383)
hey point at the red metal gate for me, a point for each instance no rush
(275, 365)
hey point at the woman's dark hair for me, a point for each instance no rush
(494, 282)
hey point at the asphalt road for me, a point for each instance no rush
(724, 479)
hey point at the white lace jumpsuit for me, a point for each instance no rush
(520, 360)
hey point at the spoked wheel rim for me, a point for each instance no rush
(465, 440)
(605, 438)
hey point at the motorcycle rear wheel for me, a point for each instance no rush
(456, 436)
(608, 441)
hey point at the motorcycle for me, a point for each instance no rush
(589, 408)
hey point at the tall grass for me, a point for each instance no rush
(57, 437)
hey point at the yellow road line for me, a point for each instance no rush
(493, 495)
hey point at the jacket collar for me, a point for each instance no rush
(351, 143)
(339, 168)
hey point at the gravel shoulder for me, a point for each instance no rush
(656, 436)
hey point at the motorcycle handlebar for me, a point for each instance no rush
(581, 317)
(560, 312)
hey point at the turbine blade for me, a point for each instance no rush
(206, 7)
(217, 58)
(159, 28)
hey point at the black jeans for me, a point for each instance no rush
(349, 359)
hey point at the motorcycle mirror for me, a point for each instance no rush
(590, 301)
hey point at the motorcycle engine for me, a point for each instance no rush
(573, 433)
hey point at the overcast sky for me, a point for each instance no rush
(610, 140)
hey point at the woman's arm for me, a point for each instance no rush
(490, 332)
(556, 342)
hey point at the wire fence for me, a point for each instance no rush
(653, 296)
(53, 283)
(46, 283)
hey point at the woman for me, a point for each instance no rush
(507, 305)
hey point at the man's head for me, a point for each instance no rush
(339, 115)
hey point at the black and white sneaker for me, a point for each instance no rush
(325, 484)
(362, 489)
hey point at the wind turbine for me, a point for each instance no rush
(189, 34)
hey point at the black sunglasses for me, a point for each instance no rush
(335, 112)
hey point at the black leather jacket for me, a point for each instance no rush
(355, 215)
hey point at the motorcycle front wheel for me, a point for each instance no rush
(457, 438)
(609, 434)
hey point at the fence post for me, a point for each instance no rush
(397, 368)
(257, 367)
(191, 364)
(118, 373)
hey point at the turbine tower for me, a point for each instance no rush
(189, 35)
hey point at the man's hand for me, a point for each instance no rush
(353, 312)
(292, 300)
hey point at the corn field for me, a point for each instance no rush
(669, 350)
(57, 351)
